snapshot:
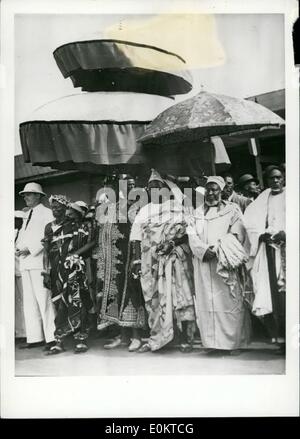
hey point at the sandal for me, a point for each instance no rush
(134, 345)
(48, 346)
(54, 350)
(80, 347)
(185, 348)
(145, 348)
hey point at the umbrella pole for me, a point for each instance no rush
(212, 157)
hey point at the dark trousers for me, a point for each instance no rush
(275, 322)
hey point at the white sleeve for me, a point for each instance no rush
(137, 226)
(197, 245)
(35, 246)
(136, 230)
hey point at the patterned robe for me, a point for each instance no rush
(120, 295)
(68, 281)
(167, 280)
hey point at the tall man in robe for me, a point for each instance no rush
(216, 238)
(38, 307)
(265, 223)
(163, 260)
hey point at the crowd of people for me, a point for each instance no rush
(183, 257)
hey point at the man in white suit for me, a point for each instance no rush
(38, 308)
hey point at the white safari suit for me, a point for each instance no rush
(38, 308)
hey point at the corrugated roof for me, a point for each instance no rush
(274, 100)
(27, 170)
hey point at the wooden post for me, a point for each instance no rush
(212, 156)
(254, 146)
(91, 188)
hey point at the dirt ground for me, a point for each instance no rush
(259, 358)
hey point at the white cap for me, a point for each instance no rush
(216, 179)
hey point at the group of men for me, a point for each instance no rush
(214, 265)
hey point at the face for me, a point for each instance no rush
(58, 209)
(212, 194)
(229, 182)
(32, 199)
(251, 187)
(155, 184)
(131, 184)
(228, 189)
(73, 214)
(158, 192)
(275, 181)
(85, 211)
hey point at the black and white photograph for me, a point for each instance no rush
(154, 194)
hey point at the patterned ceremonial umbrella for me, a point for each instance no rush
(207, 115)
(183, 137)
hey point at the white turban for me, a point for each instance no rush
(216, 179)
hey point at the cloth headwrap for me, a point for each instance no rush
(178, 195)
(155, 176)
(61, 199)
(216, 179)
(76, 207)
(82, 204)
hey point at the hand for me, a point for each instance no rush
(209, 254)
(265, 237)
(165, 248)
(136, 270)
(46, 280)
(24, 252)
(279, 237)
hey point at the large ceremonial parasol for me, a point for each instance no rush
(91, 132)
(183, 137)
(114, 65)
(128, 85)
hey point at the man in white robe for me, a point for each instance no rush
(38, 307)
(265, 223)
(222, 316)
